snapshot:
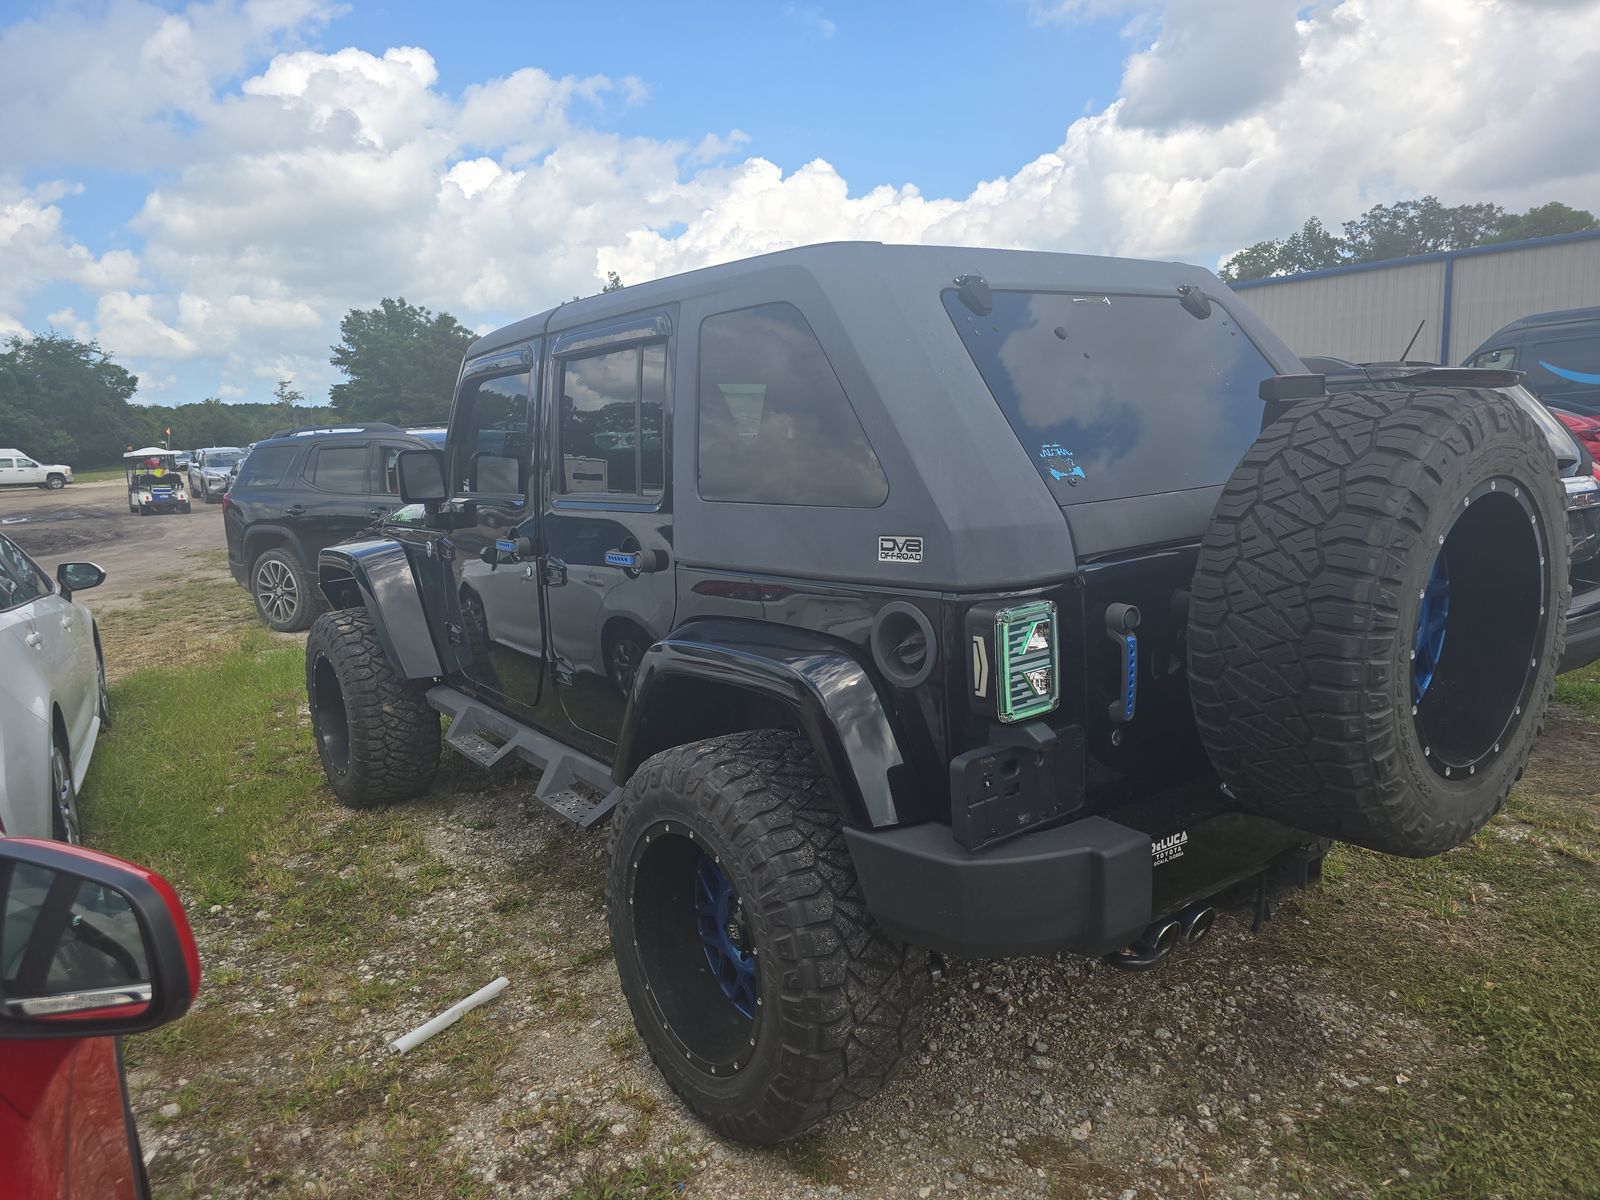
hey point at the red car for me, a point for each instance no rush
(91, 947)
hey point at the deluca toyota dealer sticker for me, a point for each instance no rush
(899, 548)
(1169, 847)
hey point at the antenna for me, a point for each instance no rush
(1413, 340)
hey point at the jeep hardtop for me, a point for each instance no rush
(893, 601)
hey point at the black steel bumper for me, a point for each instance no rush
(1083, 887)
(1088, 887)
(1583, 629)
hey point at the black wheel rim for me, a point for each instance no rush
(63, 797)
(328, 717)
(1478, 625)
(701, 969)
(276, 590)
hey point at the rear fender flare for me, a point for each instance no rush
(818, 682)
(375, 574)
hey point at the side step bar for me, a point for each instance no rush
(563, 769)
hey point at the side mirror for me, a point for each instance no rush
(75, 576)
(421, 476)
(90, 945)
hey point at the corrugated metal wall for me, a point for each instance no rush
(1369, 312)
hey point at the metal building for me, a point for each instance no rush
(1369, 311)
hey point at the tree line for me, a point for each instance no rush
(63, 399)
(1400, 230)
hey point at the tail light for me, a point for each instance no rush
(1586, 430)
(226, 500)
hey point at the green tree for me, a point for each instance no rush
(1258, 261)
(1547, 220)
(400, 362)
(613, 282)
(1311, 249)
(289, 398)
(64, 399)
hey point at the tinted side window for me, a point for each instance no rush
(493, 446)
(612, 422)
(775, 424)
(341, 468)
(267, 465)
(1503, 359)
(20, 580)
(1561, 364)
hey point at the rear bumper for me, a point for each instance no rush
(1083, 887)
(237, 570)
(1087, 887)
(1583, 629)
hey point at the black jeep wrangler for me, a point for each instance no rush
(895, 600)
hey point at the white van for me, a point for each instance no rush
(17, 467)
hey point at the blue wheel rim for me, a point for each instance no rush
(1432, 620)
(716, 914)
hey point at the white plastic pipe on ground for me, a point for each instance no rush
(449, 1017)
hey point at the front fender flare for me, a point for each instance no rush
(818, 680)
(376, 574)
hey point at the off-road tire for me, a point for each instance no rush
(308, 596)
(376, 735)
(1306, 601)
(841, 1004)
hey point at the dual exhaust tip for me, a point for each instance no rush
(1163, 937)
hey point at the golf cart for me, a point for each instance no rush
(154, 482)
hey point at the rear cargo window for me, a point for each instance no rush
(1114, 396)
(775, 424)
(266, 466)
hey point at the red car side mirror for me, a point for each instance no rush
(90, 945)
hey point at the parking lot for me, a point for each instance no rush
(1393, 1032)
(92, 521)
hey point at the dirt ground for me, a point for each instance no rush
(91, 521)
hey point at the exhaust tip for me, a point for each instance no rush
(1197, 922)
(1163, 937)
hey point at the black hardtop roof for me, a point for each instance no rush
(844, 265)
(320, 432)
(1564, 316)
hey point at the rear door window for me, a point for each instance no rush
(775, 424)
(1503, 359)
(1116, 395)
(341, 468)
(20, 581)
(267, 465)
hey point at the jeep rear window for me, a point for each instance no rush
(1113, 395)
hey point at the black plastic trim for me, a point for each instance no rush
(820, 681)
(382, 574)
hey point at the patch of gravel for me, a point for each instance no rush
(1036, 1078)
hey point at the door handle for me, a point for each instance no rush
(555, 572)
(295, 510)
(637, 562)
(66, 622)
(34, 640)
(378, 511)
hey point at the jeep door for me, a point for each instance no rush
(608, 575)
(494, 529)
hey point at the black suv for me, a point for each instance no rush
(901, 600)
(302, 490)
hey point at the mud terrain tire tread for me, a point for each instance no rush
(1298, 645)
(393, 732)
(848, 1002)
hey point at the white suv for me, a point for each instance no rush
(17, 467)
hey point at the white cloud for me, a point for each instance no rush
(328, 180)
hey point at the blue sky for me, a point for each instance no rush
(207, 186)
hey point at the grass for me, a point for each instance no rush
(98, 474)
(1491, 948)
(328, 930)
(1581, 690)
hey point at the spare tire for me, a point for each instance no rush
(1377, 615)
